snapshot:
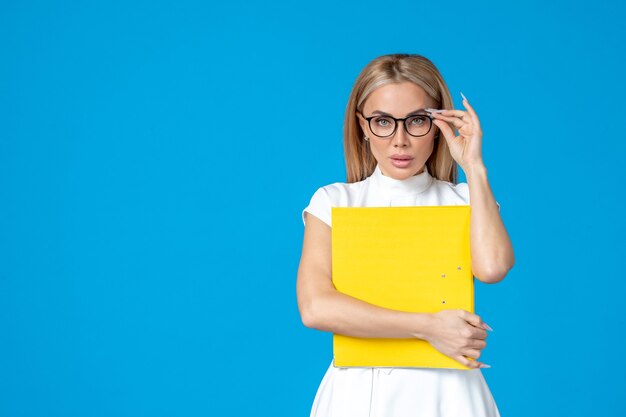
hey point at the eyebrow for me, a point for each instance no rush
(408, 114)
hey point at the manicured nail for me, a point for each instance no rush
(464, 98)
(487, 327)
(484, 365)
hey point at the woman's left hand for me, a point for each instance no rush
(466, 147)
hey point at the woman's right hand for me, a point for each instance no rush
(458, 334)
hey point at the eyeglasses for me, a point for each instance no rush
(385, 126)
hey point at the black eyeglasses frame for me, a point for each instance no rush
(396, 121)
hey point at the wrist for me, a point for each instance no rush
(476, 169)
(423, 326)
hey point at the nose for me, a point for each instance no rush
(400, 137)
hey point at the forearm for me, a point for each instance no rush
(340, 313)
(491, 247)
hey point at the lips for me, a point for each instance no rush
(401, 161)
(401, 157)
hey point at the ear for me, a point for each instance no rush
(437, 131)
(362, 122)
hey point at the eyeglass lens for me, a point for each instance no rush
(416, 125)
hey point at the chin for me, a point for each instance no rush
(401, 173)
(410, 170)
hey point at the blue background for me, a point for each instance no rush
(155, 158)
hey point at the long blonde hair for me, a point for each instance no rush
(387, 69)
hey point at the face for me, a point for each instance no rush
(399, 100)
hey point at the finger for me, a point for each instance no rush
(466, 130)
(472, 113)
(473, 319)
(476, 333)
(452, 112)
(445, 128)
(470, 363)
(458, 123)
(478, 344)
(472, 354)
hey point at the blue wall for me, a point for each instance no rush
(155, 158)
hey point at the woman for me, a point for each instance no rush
(401, 151)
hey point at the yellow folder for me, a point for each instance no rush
(414, 259)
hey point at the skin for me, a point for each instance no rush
(398, 100)
(456, 333)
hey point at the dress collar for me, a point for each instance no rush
(412, 185)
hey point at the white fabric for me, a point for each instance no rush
(397, 392)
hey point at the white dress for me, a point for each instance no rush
(397, 392)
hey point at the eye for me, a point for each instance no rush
(383, 121)
(417, 120)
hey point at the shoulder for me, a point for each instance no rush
(452, 193)
(337, 194)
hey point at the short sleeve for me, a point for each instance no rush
(463, 189)
(319, 206)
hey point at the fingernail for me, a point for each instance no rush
(484, 365)
(487, 327)
(464, 98)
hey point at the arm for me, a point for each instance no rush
(491, 248)
(324, 308)
(458, 334)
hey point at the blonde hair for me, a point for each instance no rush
(387, 69)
